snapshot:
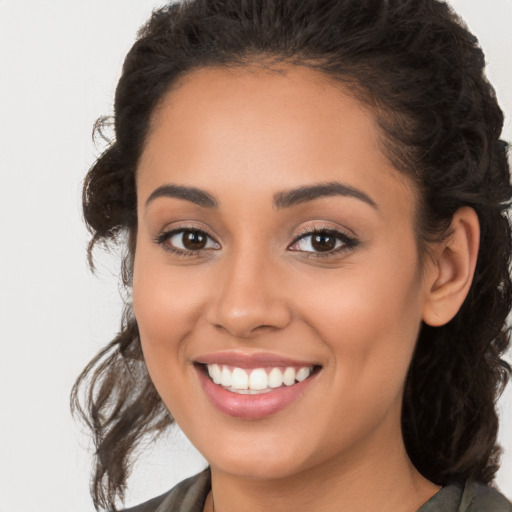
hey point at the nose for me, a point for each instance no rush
(250, 297)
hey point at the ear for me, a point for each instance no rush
(450, 272)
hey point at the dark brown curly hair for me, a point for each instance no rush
(420, 70)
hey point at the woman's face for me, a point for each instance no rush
(275, 242)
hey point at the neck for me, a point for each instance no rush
(369, 478)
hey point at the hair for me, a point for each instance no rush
(422, 72)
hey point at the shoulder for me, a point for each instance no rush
(469, 497)
(188, 496)
(479, 497)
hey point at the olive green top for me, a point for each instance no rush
(190, 495)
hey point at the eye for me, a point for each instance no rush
(187, 241)
(323, 241)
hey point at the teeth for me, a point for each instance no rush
(256, 381)
(225, 377)
(303, 374)
(239, 379)
(289, 376)
(214, 371)
(275, 378)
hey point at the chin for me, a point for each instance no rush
(259, 459)
(269, 469)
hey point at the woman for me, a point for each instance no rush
(313, 196)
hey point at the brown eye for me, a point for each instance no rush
(185, 241)
(323, 242)
(194, 240)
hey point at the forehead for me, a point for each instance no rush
(263, 128)
(297, 101)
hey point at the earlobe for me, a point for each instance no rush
(451, 270)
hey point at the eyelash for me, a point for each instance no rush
(348, 242)
(167, 235)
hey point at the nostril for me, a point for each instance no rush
(247, 302)
(244, 330)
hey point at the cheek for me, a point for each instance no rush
(165, 300)
(369, 319)
(166, 308)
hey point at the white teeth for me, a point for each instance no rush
(275, 378)
(239, 379)
(256, 381)
(302, 374)
(249, 391)
(289, 376)
(225, 377)
(214, 372)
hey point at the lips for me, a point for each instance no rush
(253, 386)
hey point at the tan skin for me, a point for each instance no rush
(259, 284)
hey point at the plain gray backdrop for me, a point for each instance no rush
(59, 63)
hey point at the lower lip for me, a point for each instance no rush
(252, 407)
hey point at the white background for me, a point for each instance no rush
(59, 63)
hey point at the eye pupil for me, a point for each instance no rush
(323, 242)
(194, 240)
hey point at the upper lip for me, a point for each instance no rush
(251, 360)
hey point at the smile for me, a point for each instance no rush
(253, 386)
(258, 380)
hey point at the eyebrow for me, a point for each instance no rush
(192, 194)
(281, 200)
(311, 192)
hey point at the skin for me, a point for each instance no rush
(244, 136)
